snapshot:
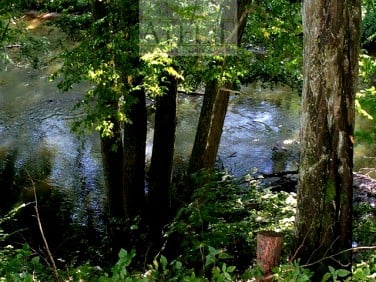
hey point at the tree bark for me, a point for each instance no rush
(162, 156)
(269, 247)
(209, 129)
(134, 157)
(111, 146)
(112, 159)
(331, 47)
(213, 112)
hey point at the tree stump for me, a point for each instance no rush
(269, 246)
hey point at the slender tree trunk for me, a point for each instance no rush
(111, 146)
(134, 157)
(213, 112)
(112, 159)
(134, 141)
(160, 172)
(209, 129)
(331, 47)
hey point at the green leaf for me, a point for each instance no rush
(213, 250)
(178, 265)
(224, 267)
(224, 255)
(343, 272)
(231, 268)
(163, 261)
(326, 277)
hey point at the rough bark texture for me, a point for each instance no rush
(134, 157)
(269, 247)
(331, 47)
(162, 157)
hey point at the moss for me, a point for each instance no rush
(330, 191)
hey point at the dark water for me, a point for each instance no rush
(35, 122)
(260, 132)
(37, 147)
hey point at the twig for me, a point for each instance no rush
(339, 253)
(51, 258)
(302, 244)
(14, 46)
(322, 243)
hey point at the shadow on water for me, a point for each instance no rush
(69, 222)
(260, 132)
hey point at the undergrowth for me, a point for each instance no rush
(211, 239)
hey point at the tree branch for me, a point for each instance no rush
(51, 258)
(364, 248)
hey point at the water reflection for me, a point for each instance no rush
(260, 131)
(37, 148)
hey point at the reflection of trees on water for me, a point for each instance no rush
(19, 176)
(9, 193)
(69, 220)
(18, 179)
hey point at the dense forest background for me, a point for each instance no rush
(189, 219)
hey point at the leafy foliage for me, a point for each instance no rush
(274, 34)
(368, 36)
(217, 229)
(366, 96)
(292, 272)
(211, 237)
(17, 43)
(226, 217)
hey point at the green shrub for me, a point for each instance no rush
(226, 215)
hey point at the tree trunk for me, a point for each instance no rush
(209, 129)
(134, 157)
(112, 159)
(134, 141)
(111, 146)
(213, 112)
(162, 157)
(331, 47)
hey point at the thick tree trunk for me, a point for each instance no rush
(134, 141)
(331, 47)
(162, 157)
(134, 157)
